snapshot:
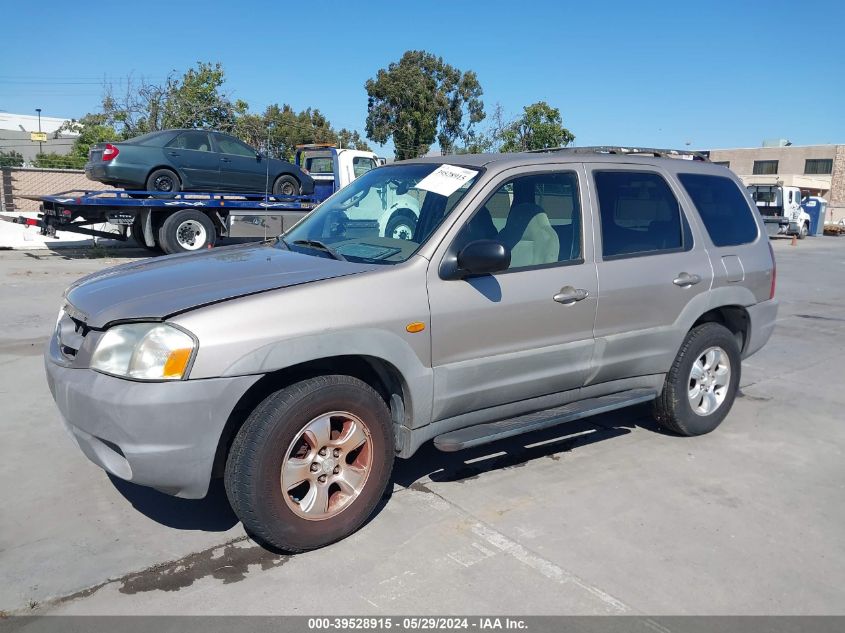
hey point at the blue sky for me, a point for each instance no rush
(711, 74)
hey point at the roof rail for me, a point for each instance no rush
(612, 149)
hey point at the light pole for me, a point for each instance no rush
(40, 146)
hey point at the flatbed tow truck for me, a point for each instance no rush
(189, 221)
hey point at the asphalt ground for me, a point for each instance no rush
(603, 516)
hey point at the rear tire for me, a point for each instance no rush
(286, 186)
(186, 231)
(701, 386)
(163, 181)
(311, 463)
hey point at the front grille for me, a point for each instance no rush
(71, 333)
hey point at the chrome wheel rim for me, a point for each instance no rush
(402, 232)
(327, 465)
(709, 381)
(191, 235)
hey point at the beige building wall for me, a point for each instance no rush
(791, 164)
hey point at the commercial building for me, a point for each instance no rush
(16, 135)
(819, 170)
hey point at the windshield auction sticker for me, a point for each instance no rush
(446, 179)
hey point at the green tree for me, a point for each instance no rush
(59, 161)
(539, 126)
(420, 99)
(10, 159)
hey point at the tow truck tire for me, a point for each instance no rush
(803, 231)
(186, 231)
(138, 236)
(286, 186)
(402, 225)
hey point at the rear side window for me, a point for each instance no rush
(723, 209)
(639, 215)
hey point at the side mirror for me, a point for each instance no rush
(480, 257)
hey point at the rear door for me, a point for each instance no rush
(241, 168)
(528, 331)
(193, 155)
(651, 266)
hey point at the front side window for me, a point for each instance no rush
(359, 222)
(194, 140)
(537, 217)
(361, 165)
(728, 218)
(765, 167)
(230, 145)
(818, 166)
(639, 215)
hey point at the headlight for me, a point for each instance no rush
(144, 351)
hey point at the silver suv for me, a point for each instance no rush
(535, 289)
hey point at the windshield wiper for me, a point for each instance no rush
(322, 247)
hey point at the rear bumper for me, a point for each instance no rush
(111, 174)
(762, 317)
(163, 435)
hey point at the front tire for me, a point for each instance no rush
(803, 232)
(286, 186)
(185, 231)
(701, 386)
(311, 462)
(401, 226)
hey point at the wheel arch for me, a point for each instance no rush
(733, 317)
(380, 374)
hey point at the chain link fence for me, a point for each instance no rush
(32, 181)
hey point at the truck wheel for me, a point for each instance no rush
(186, 230)
(701, 386)
(286, 186)
(401, 225)
(803, 231)
(311, 462)
(163, 181)
(138, 236)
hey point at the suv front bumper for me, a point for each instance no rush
(158, 434)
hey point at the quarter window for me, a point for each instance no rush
(537, 217)
(765, 167)
(818, 166)
(639, 215)
(723, 208)
(194, 140)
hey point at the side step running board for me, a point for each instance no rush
(492, 431)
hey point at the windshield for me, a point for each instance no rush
(384, 215)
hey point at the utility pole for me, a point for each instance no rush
(40, 145)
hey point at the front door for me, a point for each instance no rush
(195, 159)
(241, 169)
(651, 266)
(527, 331)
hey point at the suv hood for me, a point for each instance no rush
(160, 287)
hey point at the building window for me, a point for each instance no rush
(722, 163)
(765, 167)
(818, 166)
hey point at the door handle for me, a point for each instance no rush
(684, 280)
(569, 295)
(173, 153)
(225, 160)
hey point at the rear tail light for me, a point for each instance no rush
(110, 152)
(774, 272)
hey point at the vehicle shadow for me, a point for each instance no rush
(210, 514)
(214, 514)
(517, 451)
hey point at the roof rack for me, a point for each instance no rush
(612, 149)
